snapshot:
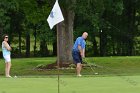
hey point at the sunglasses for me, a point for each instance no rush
(6, 37)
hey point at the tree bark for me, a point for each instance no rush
(43, 48)
(103, 43)
(55, 48)
(95, 47)
(19, 38)
(130, 26)
(27, 44)
(35, 40)
(65, 37)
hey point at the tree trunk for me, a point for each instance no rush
(103, 43)
(131, 28)
(95, 47)
(43, 48)
(54, 48)
(113, 48)
(19, 39)
(27, 44)
(129, 16)
(65, 37)
(35, 40)
(1, 30)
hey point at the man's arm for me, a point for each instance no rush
(82, 51)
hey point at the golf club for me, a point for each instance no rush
(85, 61)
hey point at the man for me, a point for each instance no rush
(78, 52)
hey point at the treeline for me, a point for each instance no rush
(113, 26)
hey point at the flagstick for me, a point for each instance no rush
(58, 65)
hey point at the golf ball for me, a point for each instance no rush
(96, 73)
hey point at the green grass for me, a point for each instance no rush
(121, 84)
(26, 66)
(116, 75)
(117, 65)
(107, 66)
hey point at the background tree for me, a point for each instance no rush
(113, 27)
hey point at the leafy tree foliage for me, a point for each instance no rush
(113, 25)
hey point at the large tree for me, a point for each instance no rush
(65, 32)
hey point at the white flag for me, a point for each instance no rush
(55, 16)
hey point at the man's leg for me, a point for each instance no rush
(78, 68)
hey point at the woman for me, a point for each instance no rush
(6, 55)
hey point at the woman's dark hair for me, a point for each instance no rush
(4, 36)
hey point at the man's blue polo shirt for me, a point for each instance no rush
(79, 41)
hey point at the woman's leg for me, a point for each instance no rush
(7, 69)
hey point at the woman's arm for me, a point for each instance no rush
(6, 45)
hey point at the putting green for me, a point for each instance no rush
(70, 84)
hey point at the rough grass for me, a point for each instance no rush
(105, 66)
